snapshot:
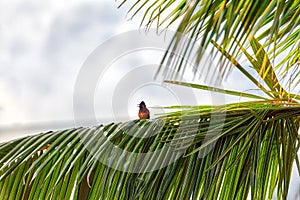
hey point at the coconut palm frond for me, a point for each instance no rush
(186, 154)
(276, 25)
(274, 84)
(215, 89)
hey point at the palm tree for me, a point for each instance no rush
(248, 150)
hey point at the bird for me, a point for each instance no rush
(143, 112)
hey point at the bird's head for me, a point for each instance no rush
(142, 105)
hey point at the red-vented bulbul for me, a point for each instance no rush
(143, 112)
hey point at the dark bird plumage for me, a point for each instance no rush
(143, 112)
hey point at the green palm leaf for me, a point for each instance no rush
(276, 24)
(256, 154)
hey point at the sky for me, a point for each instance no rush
(44, 46)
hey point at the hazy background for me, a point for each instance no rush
(43, 45)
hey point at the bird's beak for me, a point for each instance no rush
(138, 105)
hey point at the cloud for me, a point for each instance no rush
(82, 26)
(43, 45)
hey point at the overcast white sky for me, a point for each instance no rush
(43, 45)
